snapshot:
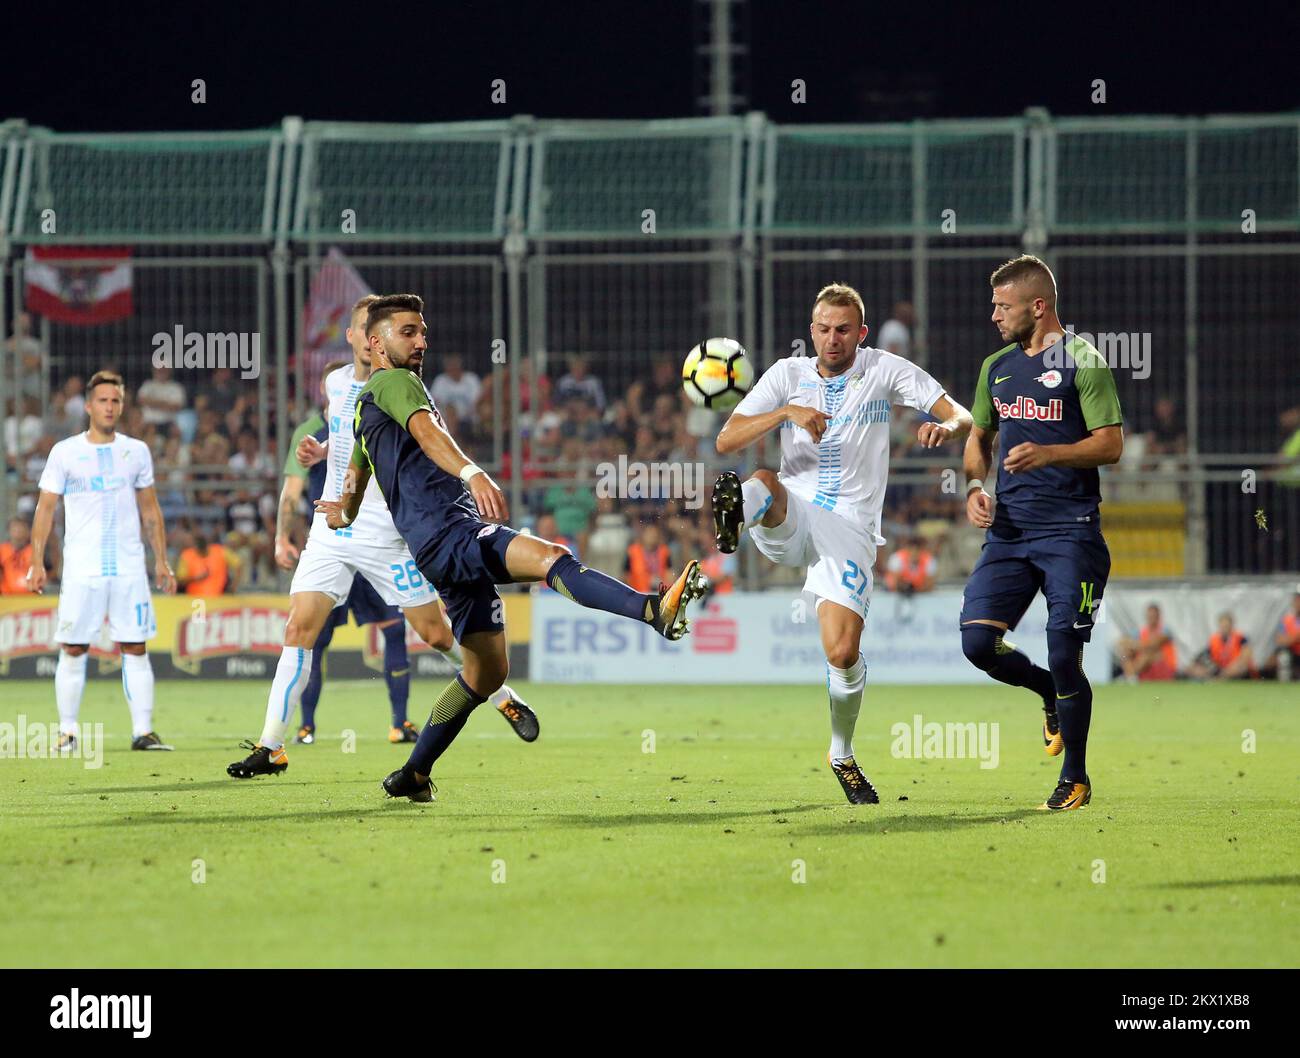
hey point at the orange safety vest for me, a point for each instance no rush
(1167, 653)
(1225, 652)
(1290, 624)
(916, 566)
(644, 570)
(13, 568)
(209, 574)
(712, 567)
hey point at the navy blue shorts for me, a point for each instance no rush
(1069, 568)
(365, 604)
(466, 564)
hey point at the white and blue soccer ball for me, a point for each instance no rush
(717, 373)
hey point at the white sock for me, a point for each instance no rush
(137, 682)
(69, 682)
(758, 498)
(845, 687)
(453, 654)
(501, 695)
(286, 693)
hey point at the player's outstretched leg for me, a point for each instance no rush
(69, 683)
(485, 665)
(1074, 706)
(137, 685)
(529, 558)
(736, 506)
(308, 611)
(986, 649)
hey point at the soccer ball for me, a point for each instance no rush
(717, 373)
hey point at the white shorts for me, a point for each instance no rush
(330, 561)
(124, 600)
(839, 554)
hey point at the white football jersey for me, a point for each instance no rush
(101, 517)
(374, 523)
(848, 471)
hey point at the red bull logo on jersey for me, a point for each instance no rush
(1027, 408)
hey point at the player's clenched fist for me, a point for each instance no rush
(810, 419)
(36, 578)
(309, 452)
(488, 497)
(979, 508)
(286, 555)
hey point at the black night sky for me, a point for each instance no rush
(104, 67)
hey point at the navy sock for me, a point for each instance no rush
(397, 670)
(450, 712)
(983, 645)
(311, 692)
(1073, 701)
(596, 591)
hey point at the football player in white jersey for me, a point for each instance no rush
(106, 481)
(330, 561)
(823, 508)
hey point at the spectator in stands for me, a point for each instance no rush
(1228, 656)
(217, 391)
(648, 560)
(719, 568)
(1168, 433)
(161, 399)
(16, 557)
(36, 461)
(454, 387)
(609, 538)
(665, 380)
(577, 382)
(1286, 659)
(203, 568)
(1152, 656)
(895, 335)
(572, 504)
(73, 417)
(25, 348)
(23, 428)
(910, 569)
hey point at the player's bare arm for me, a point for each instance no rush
(1102, 447)
(151, 524)
(954, 423)
(286, 517)
(441, 447)
(976, 462)
(741, 431)
(42, 524)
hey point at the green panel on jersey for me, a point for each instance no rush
(1098, 398)
(292, 468)
(398, 393)
(981, 409)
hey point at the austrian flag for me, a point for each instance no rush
(79, 284)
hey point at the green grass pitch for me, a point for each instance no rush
(583, 849)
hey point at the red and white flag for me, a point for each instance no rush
(79, 284)
(335, 288)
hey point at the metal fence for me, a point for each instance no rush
(1175, 240)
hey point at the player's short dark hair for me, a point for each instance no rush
(333, 366)
(1022, 268)
(390, 305)
(106, 378)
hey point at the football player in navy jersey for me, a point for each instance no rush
(1052, 398)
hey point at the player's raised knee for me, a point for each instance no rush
(769, 479)
(980, 644)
